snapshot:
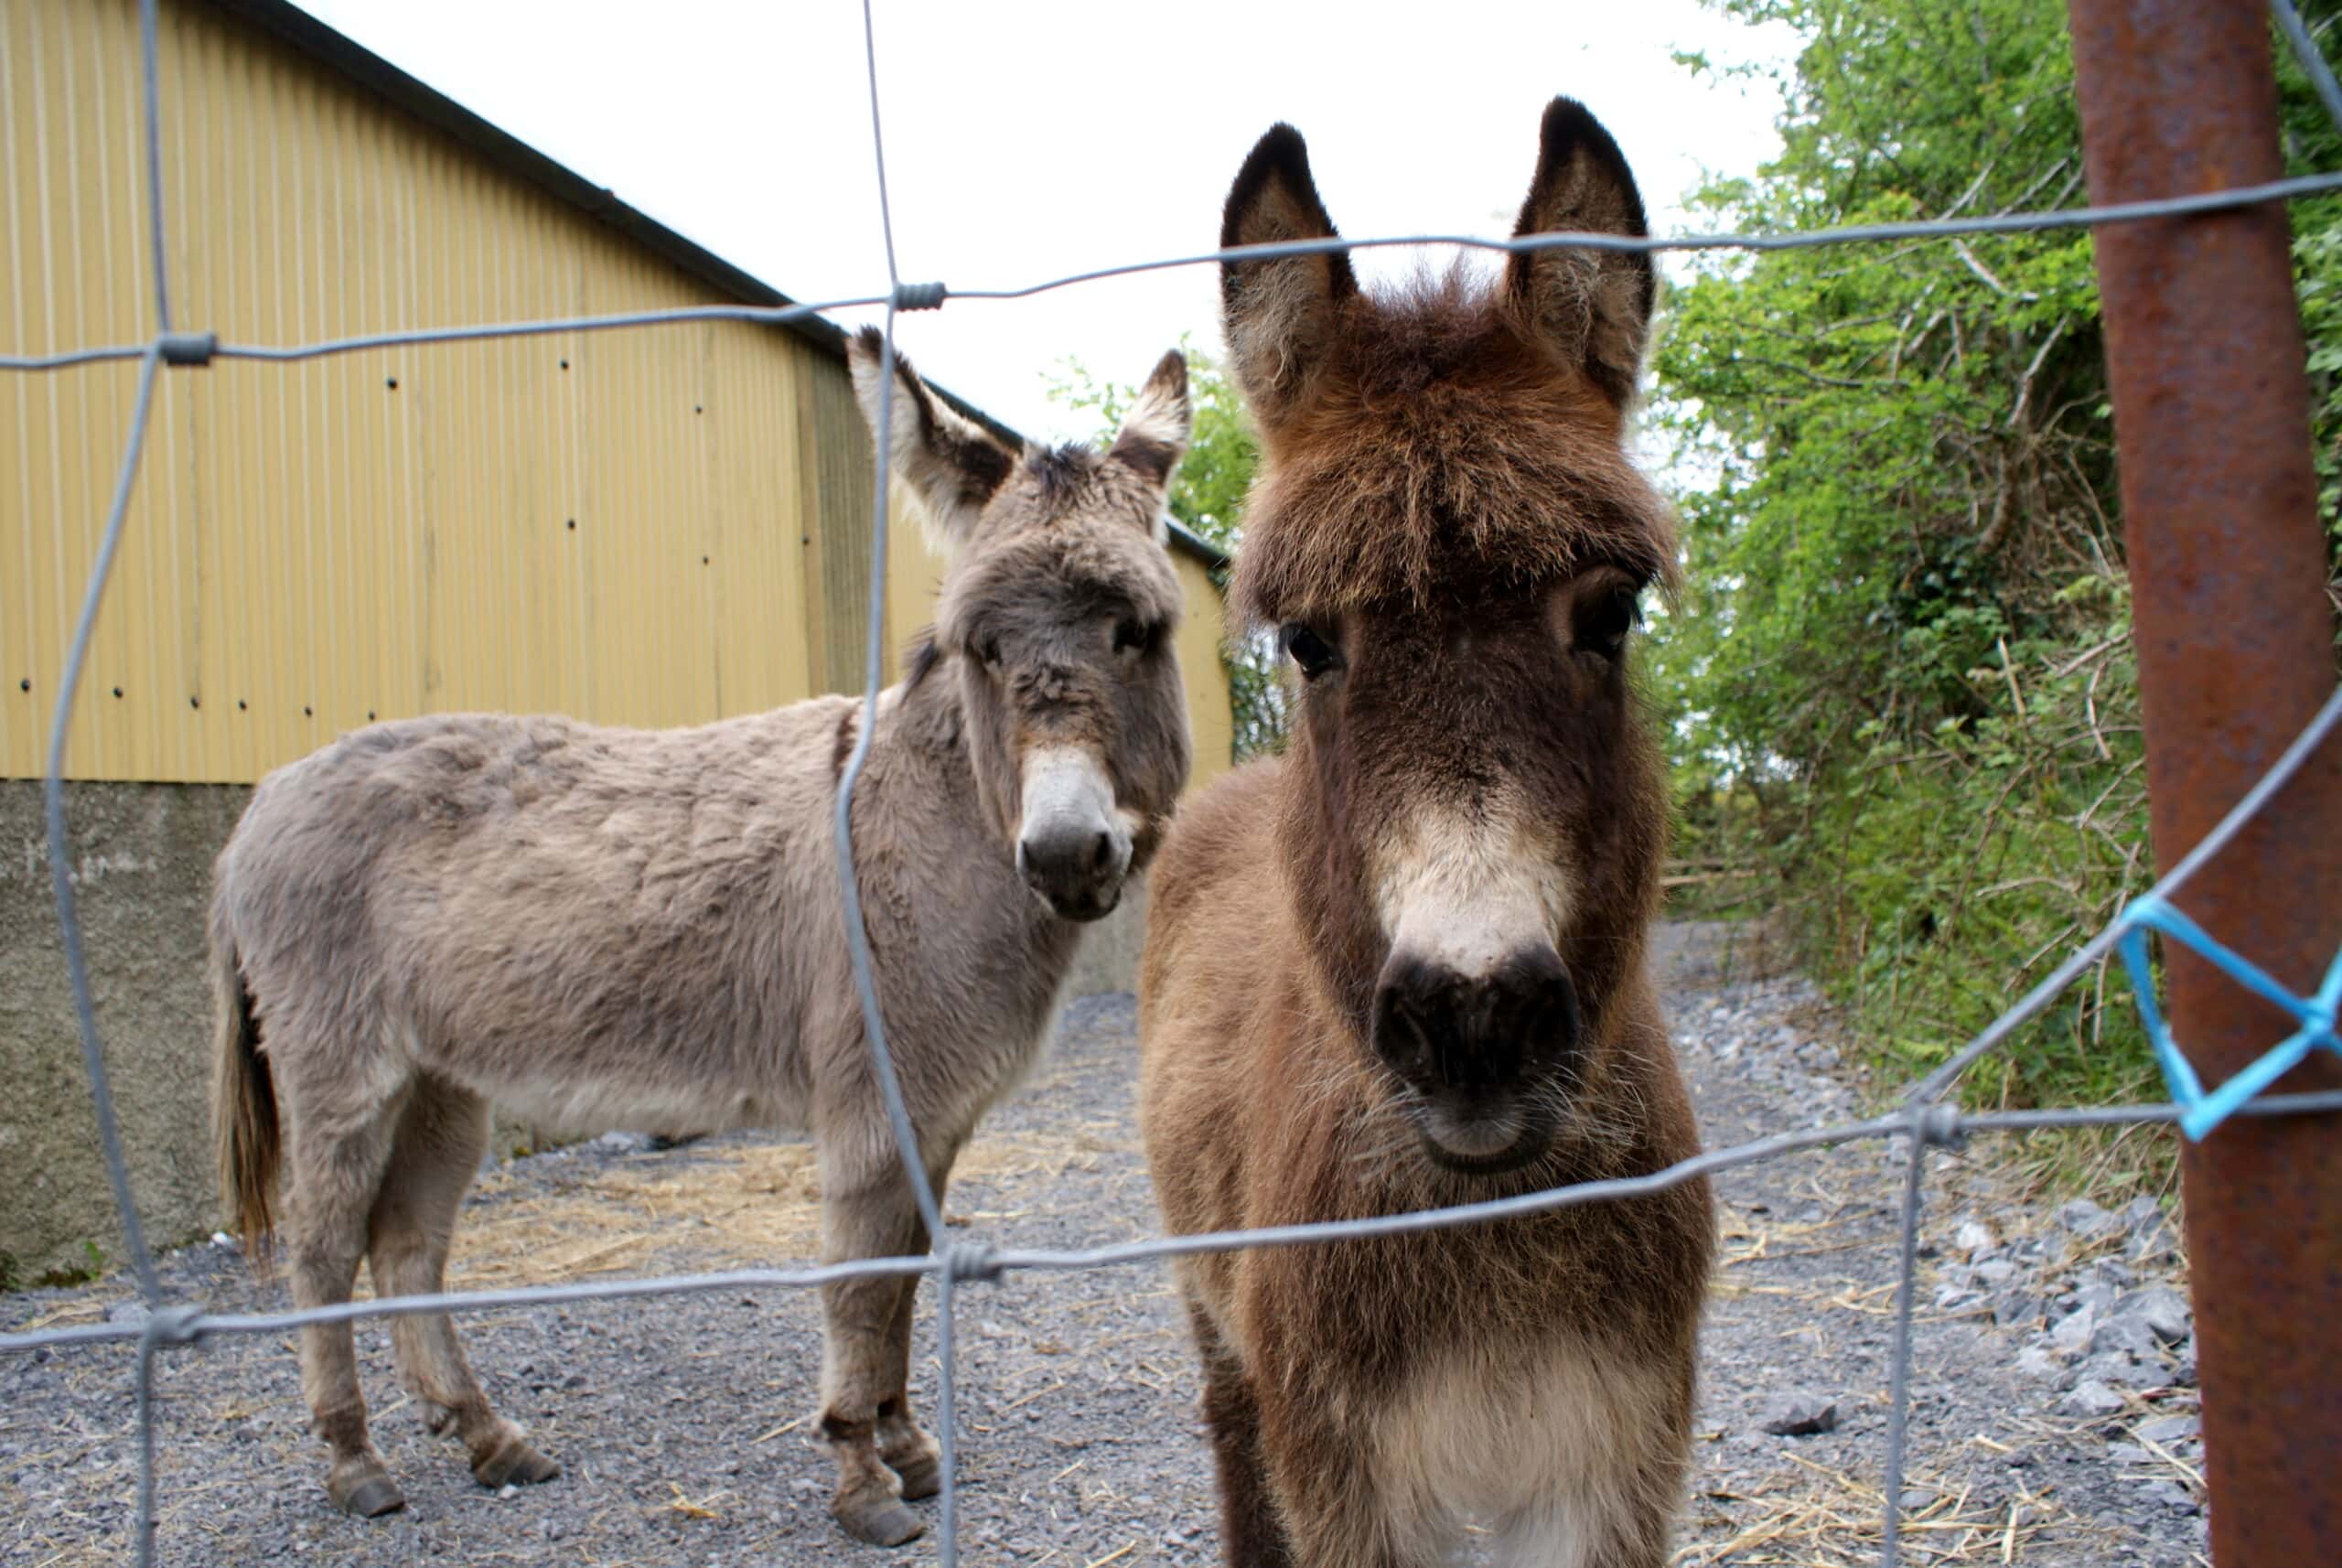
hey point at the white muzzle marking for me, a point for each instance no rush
(1467, 895)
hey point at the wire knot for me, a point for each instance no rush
(966, 1260)
(1938, 1125)
(920, 295)
(173, 1325)
(187, 348)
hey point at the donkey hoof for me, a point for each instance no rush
(878, 1521)
(369, 1496)
(514, 1463)
(922, 1476)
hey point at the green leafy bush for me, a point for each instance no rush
(1899, 677)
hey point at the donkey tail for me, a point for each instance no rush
(243, 1100)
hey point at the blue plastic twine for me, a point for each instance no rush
(2200, 1111)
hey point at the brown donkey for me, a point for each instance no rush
(602, 927)
(1401, 966)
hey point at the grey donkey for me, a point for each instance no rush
(596, 926)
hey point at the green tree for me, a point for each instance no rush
(1208, 498)
(1900, 675)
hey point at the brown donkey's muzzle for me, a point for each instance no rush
(1486, 1058)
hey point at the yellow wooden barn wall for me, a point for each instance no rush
(654, 526)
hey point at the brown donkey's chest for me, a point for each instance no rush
(1372, 1317)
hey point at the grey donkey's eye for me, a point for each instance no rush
(1132, 636)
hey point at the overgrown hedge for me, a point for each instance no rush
(1900, 678)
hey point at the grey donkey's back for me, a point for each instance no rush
(505, 904)
(577, 923)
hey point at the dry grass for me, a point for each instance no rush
(725, 1208)
(2109, 1165)
(1818, 1516)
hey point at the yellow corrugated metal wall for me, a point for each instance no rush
(606, 524)
(1211, 718)
(647, 527)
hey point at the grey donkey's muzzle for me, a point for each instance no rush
(1073, 848)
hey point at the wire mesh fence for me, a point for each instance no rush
(1921, 1117)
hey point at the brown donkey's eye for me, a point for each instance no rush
(1602, 624)
(1311, 652)
(1137, 636)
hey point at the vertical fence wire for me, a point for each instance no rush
(1898, 1376)
(915, 1167)
(60, 849)
(1921, 1121)
(150, 80)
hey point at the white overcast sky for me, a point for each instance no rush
(1029, 140)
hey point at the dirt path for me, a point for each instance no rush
(680, 1421)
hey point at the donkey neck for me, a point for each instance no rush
(956, 904)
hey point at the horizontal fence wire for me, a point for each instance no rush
(1918, 1118)
(1946, 1125)
(1924, 229)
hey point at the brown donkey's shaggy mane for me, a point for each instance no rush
(1434, 415)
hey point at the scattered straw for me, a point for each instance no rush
(1828, 1519)
(744, 1205)
(64, 1314)
(693, 1507)
(1028, 1399)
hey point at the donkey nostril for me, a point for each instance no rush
(1399, 1035)
(1487, 1020)
(1101, 852)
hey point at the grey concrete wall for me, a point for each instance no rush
(1109, 957)
(142, 864)
(143, 857)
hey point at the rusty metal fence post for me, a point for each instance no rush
(2235, 638)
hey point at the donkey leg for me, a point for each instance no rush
(1250, 1533)
(441, 1138)
(906, 1447)
(865, 1356)
(336, 1173)
(1333, 1512)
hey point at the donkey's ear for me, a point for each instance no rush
(1591, 307)
(1278, 316)
(1155, 437)
(951, 465)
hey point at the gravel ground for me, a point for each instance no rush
(2053, 1393)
